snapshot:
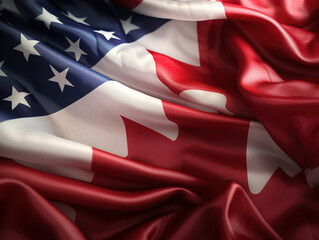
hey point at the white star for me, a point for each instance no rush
(47, 18)
(75, 48)
(60, 78)
(128, 26)
(27, 47)
(77, 19)
(107, 35)
(16, 98)
(2, 74)
(8, 5)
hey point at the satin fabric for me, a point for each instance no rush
(265, 58)
(166, 212)
(27, 215)
(278, 74)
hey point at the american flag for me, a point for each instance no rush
(159, 119)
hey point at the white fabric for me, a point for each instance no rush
(264, 157)
(312, 176)
(65, 137)
(216, 101)
(182, 10)
(132, 65)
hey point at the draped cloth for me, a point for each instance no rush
(159, 119)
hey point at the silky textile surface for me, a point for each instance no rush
(159, 119)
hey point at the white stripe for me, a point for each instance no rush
(38, 140)
(64, 138)
(216, 101)
(312, 176)
(264, 157)
(64, 171)
(66, 209)
(175, 39)
(182, 10)
(132, 65)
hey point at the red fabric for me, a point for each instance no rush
(27, 215)
(265, 59)
(180, 196)
(278, 74)
(163, 212)
(130, 4)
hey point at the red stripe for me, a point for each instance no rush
(215, 57)
(25, 214)
(277, 76)
(130, 4)
(205, 148)
(128, 174)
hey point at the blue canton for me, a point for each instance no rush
(46, 65)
